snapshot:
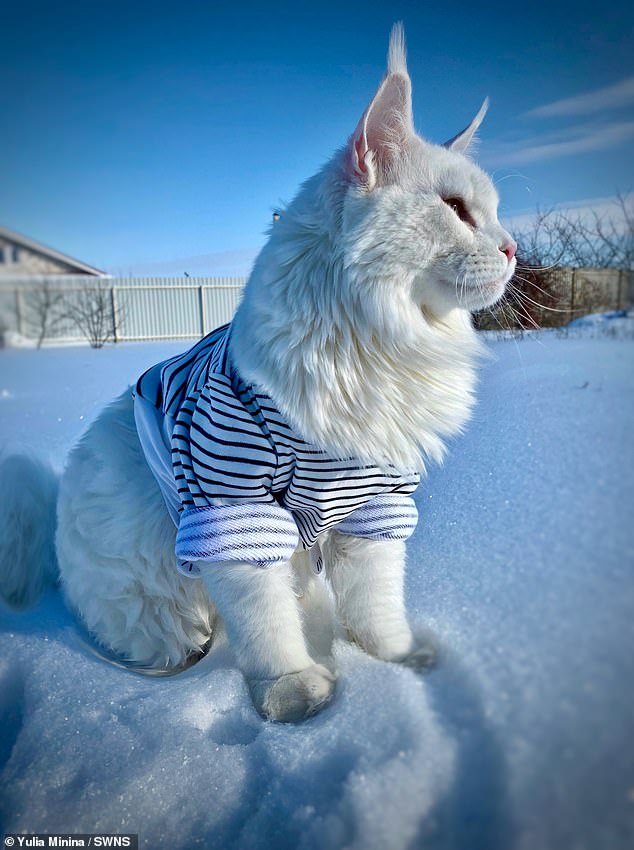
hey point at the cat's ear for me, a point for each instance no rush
(386, 126)
(461, 142)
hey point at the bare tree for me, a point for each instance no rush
(581, 239)
(45, 309)
(94, 312)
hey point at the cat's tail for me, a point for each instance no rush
(28, 497)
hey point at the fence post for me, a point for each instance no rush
(113, 307)
(573, 279)
(18, 311)
(619, 290)
(201, 308)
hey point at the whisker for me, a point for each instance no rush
(521, 294)
(514, 312)
(532, 283)
(498, 180)
(540, 268)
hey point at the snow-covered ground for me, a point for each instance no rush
(523, 565)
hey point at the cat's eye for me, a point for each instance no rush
(460, 209)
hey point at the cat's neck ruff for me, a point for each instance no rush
(357, 394)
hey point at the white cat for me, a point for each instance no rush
(356, 323)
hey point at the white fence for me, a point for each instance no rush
(137, 308)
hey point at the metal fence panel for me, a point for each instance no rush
(139, 308)
(157, 312)
(219, 303)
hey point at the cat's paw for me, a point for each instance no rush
(423, 656)
(293, 697)
(418, 652)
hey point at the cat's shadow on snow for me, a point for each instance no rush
(475, 812)
(11, 710)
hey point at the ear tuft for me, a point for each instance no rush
(383, 134)
(460, 143)
(397, 56)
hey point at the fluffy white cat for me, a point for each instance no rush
(356, 322)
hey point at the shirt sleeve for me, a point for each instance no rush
(258, 533)
(388, 516)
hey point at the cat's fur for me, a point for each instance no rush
(356, 321)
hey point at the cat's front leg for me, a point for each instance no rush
(316, 609)
(263, 622)
(367, 578)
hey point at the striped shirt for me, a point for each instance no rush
(239, 481)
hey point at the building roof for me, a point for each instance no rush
(31, 244)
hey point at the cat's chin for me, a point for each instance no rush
(444, 297)
(483, 295)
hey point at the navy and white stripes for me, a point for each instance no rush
(385, 517)
(249, 487)
(265, 534)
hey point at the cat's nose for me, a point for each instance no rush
(509, 248)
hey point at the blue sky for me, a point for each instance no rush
(160, 137)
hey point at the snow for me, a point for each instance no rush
(522, 565)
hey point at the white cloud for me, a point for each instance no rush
(611, 97)
(574, 140)
(586, 209)
(604, 132)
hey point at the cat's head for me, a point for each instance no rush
(417, 212)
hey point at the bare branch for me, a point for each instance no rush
(581, 240)
(45, 309)
(94, 313)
